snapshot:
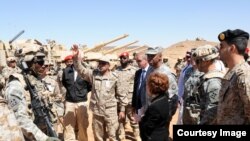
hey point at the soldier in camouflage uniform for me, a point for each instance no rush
(10, 130)
(234, 100)
(10, 68)
(105, 94)
(165, 61)
(14, 95)
(180, 64)
(54, 97)
(210, 83)
(35, 62)
(154, 55)
(191, 97)
(126, 73)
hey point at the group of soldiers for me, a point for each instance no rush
(213, 86)
(32, 97)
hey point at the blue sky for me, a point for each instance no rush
(152, 22)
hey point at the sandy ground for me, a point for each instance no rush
(129, 133)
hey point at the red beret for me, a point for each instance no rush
(124, 54)
(69, 57)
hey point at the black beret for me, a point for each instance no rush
(229, 35)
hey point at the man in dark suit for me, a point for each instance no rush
(140, 101)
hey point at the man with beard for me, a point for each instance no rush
(154, 55)
(126, 74)
(76, 109)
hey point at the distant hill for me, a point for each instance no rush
(179, 49)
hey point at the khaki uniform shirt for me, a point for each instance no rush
(234, 100)
(126, 80)
(105, 90)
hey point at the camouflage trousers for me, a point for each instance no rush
(105, 126)
(76, 121)
(129, 118)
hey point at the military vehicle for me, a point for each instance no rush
(98, 47)
(114, 50)
(7, 49)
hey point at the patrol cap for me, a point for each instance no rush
(10, 59)
(154, 50)
(204, 53)
(125, 54)
(229, 35)
(104, 58)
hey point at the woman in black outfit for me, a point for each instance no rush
(154, 124)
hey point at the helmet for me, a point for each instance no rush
(205, 53)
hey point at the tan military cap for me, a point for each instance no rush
(154, 50)
(207, 52)
(104, 58)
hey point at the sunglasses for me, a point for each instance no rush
(41, 62)
(12, 61)
(102, 63)
(198, 61)
(124, 58)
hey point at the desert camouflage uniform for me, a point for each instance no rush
(234, 100)
(126, 82)
(178, 67)
(7, 71)
(44, 93)
(10, 130)
(14, 95)
(103, 101)
(209, 96)
(191, 112)
(55, 98)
